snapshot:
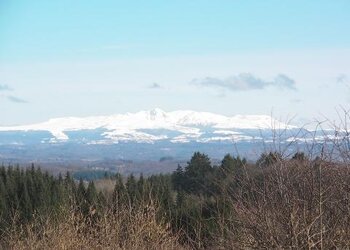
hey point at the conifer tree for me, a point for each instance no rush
(3, 205)
(140, 188)
(24, 202)
(178, 178)
(81, 197)
(131, 187)
(198, 174)
(91, 194)
(119, 193)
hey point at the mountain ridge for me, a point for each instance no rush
(187, 124)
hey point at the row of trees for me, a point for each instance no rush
(25, 193)
(201, 202)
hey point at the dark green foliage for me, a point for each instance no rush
(3, 207)
(24, 193)
(268, 159)
(91, 195)
(299, 156)
(193, 200)
(131, 188)
(201, 195)
(178, 178)
(90, 175)
(81, 191)
(232, 166)
(119, 196)
(197, 175)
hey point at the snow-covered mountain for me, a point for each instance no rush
(147, 127)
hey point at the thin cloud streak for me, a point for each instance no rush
(342, 78)
(15, 99)
(10, 98)
(4, 87)
(245, 82)
(155, 86)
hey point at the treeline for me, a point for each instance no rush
(24, 192)
(274, 203)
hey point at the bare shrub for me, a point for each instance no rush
(126, 229)
(295, 206)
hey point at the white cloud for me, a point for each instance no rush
(245, 82)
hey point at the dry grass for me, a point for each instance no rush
(127, 229)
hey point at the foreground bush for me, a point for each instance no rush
(294, 204)
(127, 229)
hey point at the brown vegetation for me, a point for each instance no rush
(127, 229)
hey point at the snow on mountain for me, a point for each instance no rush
(156, 124)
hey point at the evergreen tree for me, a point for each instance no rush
(81, 198)
(232, 167)
(131, 187)
(227, 165)
(24, 202)
(299, 156)
(198, 174)
(91, 194)
(119, 193)
(140, 188)
(178, 178)
(3, 205)
(269, 159)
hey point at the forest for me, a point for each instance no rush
(276, 202)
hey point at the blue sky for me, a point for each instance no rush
(78, 58)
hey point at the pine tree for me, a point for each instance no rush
(81, 197)
(131, 187)
(299, 156)
(91, 195)
(140, 188)
(120, 195)
(232, 167)
(228, 164)
(24, 202)
(198, 174)
(178, 178)
(11, 195)
(70, 188)
(269, 159)
(3, 205)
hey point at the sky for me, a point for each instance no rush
(80, 58)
